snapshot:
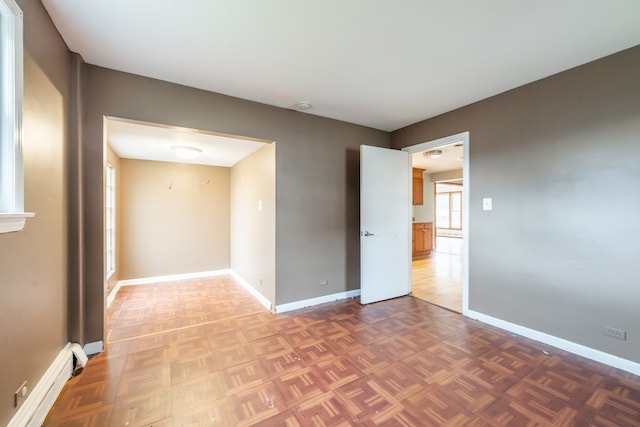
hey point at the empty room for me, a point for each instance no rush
(208, 213)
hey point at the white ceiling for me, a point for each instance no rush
(449, 161)
(147, 141)
(379, 63)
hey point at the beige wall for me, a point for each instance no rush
(253, 221)
(174, 218)
(559, 157)
(33, 277)
(446, 175)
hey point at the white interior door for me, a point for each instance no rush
(385, 232)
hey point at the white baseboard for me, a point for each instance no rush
(36, 407)
(171, 277)
(283, 308)
(579, 349)
(112, 295)
(253, 291)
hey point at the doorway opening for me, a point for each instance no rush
(171, 217)
(440, 226)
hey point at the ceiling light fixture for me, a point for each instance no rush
(185, 152)
(433, 154)
(303, 106)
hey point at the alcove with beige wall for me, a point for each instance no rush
(179, 219)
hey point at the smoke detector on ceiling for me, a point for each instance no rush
(303, 106)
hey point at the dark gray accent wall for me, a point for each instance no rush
(317, 229)
(33, 262)
(560, 158)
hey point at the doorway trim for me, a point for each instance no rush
(437, 143)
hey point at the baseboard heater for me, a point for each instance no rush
(35, 408)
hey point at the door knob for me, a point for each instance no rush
(367, 234)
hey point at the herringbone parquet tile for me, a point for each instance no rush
(282, 363)
(204, 353)
(324, 410)
(301, 384)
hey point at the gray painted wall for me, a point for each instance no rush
(33, 270)
(317, 169)
(559, 157)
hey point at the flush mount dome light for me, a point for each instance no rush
(185, 152)
(433, 154)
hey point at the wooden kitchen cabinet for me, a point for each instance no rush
(422, 242)
(418, 186)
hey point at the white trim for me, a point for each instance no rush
(253, 291)
(36, 407)
(10, 222)
(172, 277)
(79, 353)
(11, 80)
(466, 182)
(110, 206)
(112, 295)
(283, 308)
(93, 347)
(579, 349)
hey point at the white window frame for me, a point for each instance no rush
(110, 220)
(12, 215)
(450, 209)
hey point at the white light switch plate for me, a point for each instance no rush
(487, 204)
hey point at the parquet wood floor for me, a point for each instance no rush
(204, 353)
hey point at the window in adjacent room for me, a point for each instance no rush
(110, 220)
(442, 210)
(12, 215)
(449, 210)
(455, 210)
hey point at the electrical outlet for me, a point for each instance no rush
(615, 333)
(324, 282)
(20, 393)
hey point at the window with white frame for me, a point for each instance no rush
(110, 221)
(449, 210)
(12, 215)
